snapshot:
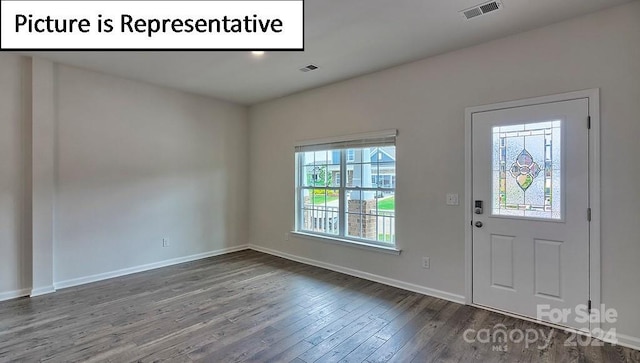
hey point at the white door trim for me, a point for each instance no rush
(593, 95)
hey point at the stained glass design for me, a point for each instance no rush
(527, 170)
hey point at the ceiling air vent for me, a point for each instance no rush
(481, 9)
(308, 68)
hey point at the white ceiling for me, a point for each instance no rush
(345, 38)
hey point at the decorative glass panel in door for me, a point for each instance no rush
(527, 174)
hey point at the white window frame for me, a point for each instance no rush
(343, 143)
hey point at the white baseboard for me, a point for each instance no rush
(42, 290)
(141, 268)
(365, 275)
(624, 341)
(8, 295)
(621, 339)
(617, 339)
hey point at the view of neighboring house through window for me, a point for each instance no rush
(347, 191)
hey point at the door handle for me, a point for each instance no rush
(479, 224)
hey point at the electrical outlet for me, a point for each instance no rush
(286, 236)
(165, 242)
(426, 262)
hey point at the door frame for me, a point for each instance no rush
(593, 96)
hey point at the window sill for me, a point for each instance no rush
(345, 242)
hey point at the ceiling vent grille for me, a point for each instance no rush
(309, 68)
(481, 9)
(472, 13)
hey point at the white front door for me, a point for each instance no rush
(530, 171)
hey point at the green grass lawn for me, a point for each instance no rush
(388, 203)
(320, 199)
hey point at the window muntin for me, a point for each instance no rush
(360, 206)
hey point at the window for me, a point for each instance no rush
(351, 155)
(359, 206)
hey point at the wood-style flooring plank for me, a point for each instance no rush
(252, 307)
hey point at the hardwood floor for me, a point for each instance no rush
(249, 306)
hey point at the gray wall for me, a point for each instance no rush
(425, 101)
(138, 163)
(131, 164)
(15, 248)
